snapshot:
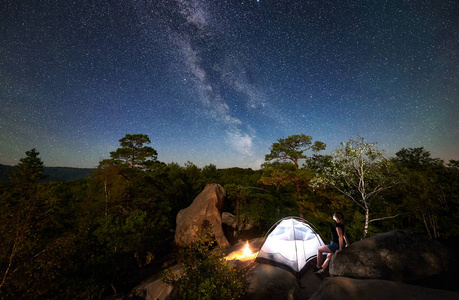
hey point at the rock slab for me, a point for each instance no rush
(400, 256)
(268, 282)
(341, 288)
(152, 289)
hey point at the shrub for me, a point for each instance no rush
(205, 274)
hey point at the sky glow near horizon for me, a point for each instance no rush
(217, 82)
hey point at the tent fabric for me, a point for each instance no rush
(290, 244)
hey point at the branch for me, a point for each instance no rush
(30, 259)
(13, 253)
(378, 189)
(120, 172)
(252, 187)
(347, 194)
(379, 219)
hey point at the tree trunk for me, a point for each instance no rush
(137, 258)
(301, 213)
(113, 288)
(237, 212)
(298, 199)
(13, 253)
(427, 226)
(367, 221)
(106, 195)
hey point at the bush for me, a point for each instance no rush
(205, 274)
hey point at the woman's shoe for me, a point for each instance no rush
(317, 269)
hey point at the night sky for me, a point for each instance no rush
(217, 82)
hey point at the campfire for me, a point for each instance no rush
(242, 254)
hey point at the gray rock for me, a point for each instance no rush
(272, 283)
(247, 230)
(229, 219)
(397, 255)
(229, 227)
(206, 210)
(154, 288)
(337, 288)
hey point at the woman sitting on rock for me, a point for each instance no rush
(338, 237)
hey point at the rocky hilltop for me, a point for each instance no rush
(392, 265)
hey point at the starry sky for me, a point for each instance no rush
(218, 81)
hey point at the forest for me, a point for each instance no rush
(100, 236)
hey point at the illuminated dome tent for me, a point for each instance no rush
(290, 244)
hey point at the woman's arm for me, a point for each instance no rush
(346, 239)
(340, 238)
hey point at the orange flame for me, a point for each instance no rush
(246, 250)
(243, 254)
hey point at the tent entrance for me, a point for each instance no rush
(290, 244)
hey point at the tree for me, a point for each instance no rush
(282, 165)
(210, 173)
(20, 214)
(133, 152)
(416, 158)
(428, 189)
(125, 164)
(133, 200)
(29, 170)
(454, 164)
(359, 171)
(246, 198)
(292, 148)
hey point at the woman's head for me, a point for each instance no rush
(339, 217)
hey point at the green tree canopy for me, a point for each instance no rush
(29, 169)
(133, 152)
(360, 171)
(282, 165)
(415, 158)
(23, 216)
(292, 148)
(428, 189)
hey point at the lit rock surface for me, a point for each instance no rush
(397, 255)
(268, 282)
(206, 210)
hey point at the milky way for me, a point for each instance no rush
(217, 82)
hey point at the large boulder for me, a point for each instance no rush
(341, 288)
(268, 282)
(397, 255)
(204, 213)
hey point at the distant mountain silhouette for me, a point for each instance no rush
(53, 173)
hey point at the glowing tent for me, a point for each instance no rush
(290, 244)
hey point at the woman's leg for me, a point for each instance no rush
(327, 261)
(320, 251)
